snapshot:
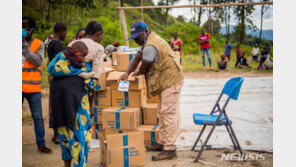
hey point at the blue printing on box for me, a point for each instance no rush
(125, 157)
(117, 116)
(125, 140)
(153, 135)
(96, 115)
(119, 131)
(97, 128)
(122, 108)
(130, 57)
(126, 102)
(96, 98)
(157, 120)
(125, 151)
(152, 138)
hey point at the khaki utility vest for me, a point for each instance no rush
(167, 71)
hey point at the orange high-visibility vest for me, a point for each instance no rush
(31, 75)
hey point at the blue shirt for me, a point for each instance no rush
(228, 48)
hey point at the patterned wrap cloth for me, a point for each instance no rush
(75, 142)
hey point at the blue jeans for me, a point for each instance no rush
(208, 55)
(222, 67)
(34, 100)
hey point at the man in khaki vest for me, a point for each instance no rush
(164, 77)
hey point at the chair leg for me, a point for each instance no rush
(202, 130)
(205, 143)
(235, 138)
(231, 137)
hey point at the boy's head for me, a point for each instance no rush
(237, 46)
(203, 31)
(61, 30)
(256, 45)
(80, 49)
(262, 52)
(175, 35)
(28, 24)
(243, 54)
(223, 57)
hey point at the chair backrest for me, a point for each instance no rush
(232, 87)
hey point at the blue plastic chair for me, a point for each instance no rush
(232, 89)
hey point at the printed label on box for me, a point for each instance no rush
(123, 86)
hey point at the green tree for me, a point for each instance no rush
(242, 14)
(212, 26)
(264, 8)
(167, 3)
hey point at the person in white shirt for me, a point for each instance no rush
(255, 53)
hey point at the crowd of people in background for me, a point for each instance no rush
(242, 60)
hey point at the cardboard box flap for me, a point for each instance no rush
(148, 128)
(124, 109)
(113, 76)
(125, 139)
(107, 69)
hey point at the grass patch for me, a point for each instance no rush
(44, 80)
(193, 63)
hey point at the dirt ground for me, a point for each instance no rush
(32, 158)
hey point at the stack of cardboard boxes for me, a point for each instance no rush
(125, 121)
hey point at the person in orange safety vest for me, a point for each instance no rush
(32, 57)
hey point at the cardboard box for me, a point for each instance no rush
(96, 127)
(103, 78)
(151, 133)
(136, 83)
(122, 59)
(133, 98)
(103, 98)
(107, 64)
(120, 118)
(97, 118)
(150, 114)
(123, 150)
(152, 99)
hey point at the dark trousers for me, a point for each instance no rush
(238, 61)
(222, 67)
(34, 100)
(255, 57)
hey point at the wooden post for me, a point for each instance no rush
(142, 11)
(122, 18)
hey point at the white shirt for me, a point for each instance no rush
(255, 51)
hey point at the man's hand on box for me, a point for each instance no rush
(123, 77)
